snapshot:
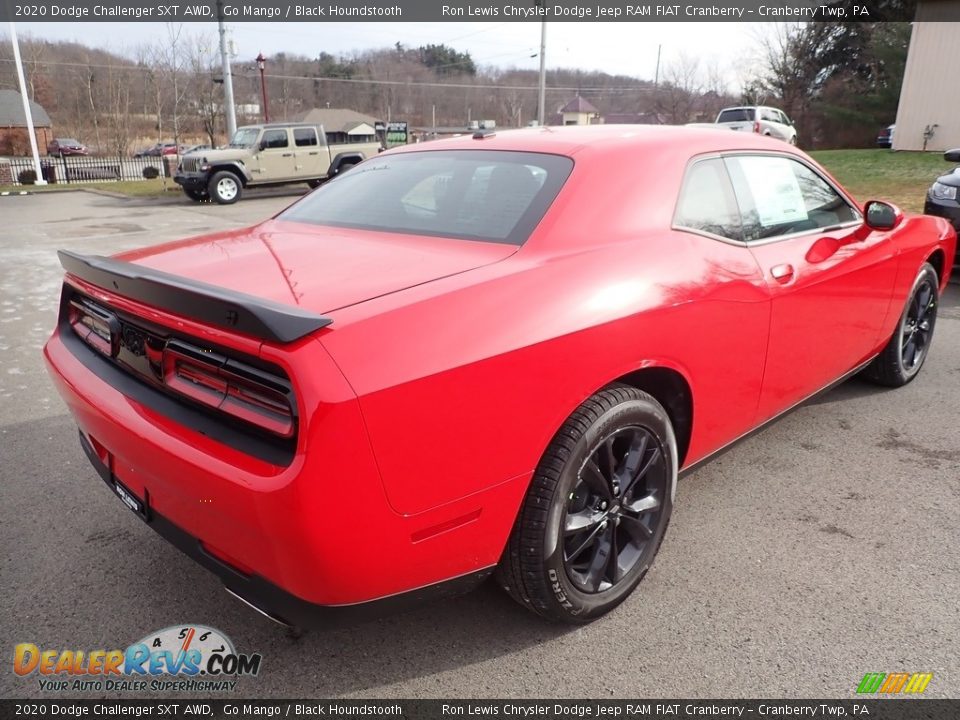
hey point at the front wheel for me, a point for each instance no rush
(901, 359)
(224, 187)
(596, 510)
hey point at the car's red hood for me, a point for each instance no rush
(318, 268)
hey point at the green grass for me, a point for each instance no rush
(898, 177)
(130, 188)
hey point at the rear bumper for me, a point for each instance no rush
(293, 537)
(270, 599)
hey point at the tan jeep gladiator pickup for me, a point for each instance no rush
(271, 154)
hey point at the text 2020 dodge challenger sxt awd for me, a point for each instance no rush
(492, 353)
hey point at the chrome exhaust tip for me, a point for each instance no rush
(273, 618)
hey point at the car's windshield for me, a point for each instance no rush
(67, 141)
(470, 194)
(244, 137)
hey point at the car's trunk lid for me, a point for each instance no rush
(318, 268)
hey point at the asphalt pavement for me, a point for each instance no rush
(823, 548)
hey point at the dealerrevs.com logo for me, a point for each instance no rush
(178, 658)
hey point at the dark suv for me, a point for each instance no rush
(943, 197)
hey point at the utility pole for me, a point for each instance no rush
(227, 75)
(26, 105)
(261, 64)
(541, 109)
(656, 76)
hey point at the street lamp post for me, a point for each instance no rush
(261, 63)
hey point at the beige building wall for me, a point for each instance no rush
(930, 94)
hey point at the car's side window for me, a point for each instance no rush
(274, 139)
(783, 118)
(769, 115)
(781, 196)
(707, 201)
(304, 137)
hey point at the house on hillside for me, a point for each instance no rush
(927, 105)
(342, 125)
(14, 138)
(580, 112)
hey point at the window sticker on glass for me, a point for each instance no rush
(775, 190)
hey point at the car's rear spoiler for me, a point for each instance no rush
(193, 299)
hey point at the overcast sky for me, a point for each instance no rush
(617, 48)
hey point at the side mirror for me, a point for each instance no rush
(263, 145)
(952, 155)
(882, 216)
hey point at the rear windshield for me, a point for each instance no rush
(490, 195)
(736, 115)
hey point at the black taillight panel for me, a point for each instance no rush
(243, 392)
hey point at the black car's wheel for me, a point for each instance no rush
(225, 187)
(903, 356)
(196, 195)
(597, 508)
(314, 184)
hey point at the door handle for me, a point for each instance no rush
(287, 155)
(313, 153)
(782, 273)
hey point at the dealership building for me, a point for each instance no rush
(928, 116)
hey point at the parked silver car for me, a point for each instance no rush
(759, 119)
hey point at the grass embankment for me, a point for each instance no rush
(899, 177)
(130, 188)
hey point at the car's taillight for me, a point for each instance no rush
(234, 388)
(95, 326)
(756, 126)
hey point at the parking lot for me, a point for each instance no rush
(823, 548)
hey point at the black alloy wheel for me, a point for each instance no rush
(901, 359)
(596, 509)
(917, 329)
(614, 509)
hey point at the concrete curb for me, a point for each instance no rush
(5, 193)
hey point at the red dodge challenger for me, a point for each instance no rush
(491, 354)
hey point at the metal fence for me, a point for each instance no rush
(84, 169)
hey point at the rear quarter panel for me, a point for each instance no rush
(464, 381)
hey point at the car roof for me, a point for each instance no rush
(586, 140)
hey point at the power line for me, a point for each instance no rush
(371, 81)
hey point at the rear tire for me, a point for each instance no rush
(344, 167)
(901, 359)
(225, 188)
(596, 510)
